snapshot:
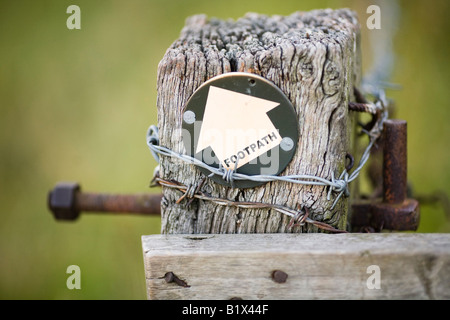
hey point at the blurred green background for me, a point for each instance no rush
(75, 106)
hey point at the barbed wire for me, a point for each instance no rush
(338, 186)
(298, 217)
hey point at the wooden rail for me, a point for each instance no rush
(298, 266)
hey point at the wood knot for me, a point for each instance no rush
(331, 80)
(306, 70)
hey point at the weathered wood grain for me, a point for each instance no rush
(313, 57)
(318, 266)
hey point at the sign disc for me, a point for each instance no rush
(243, 122)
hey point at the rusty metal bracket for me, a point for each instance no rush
(394, 211)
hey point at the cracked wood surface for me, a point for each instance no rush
(318, 266)
(314, 58)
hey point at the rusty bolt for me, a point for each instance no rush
(279, 276)
(394, 211)
(66, 201)
(62, 199)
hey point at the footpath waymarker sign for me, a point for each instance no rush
(241, 122)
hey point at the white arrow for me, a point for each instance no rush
(237, 127)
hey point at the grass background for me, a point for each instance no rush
(75, 106)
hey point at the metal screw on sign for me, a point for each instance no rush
(287, 144)
(189, 117)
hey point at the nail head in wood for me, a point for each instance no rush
(279, 276)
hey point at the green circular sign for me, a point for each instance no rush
(241, 122)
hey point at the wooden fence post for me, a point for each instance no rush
(313, 57)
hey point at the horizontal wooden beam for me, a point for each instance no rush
(298, 266)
